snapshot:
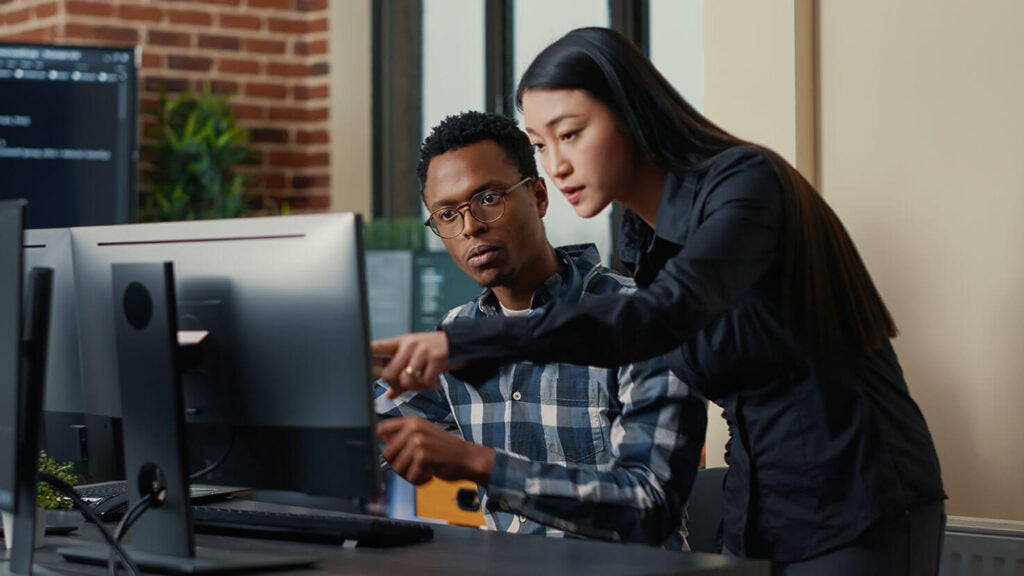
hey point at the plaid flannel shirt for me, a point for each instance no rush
(594, 452)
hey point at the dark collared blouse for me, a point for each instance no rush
(815, 456)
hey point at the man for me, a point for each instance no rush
(556, 448)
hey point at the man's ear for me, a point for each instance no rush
(540, 194)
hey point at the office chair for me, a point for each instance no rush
(705, 510)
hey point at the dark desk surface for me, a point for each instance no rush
(453, 551)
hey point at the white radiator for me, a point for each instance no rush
(982, 547)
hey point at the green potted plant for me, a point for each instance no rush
(198, 147)
(47, 497)
(48, 500)
(51, 505)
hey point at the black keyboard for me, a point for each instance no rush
(101, 491)
(330, 527)
(109, 500)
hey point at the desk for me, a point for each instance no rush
(455, 550)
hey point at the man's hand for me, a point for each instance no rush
(419, 450)
(411, 362)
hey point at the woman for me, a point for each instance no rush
(751, 284)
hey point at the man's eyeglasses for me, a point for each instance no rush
(485, 206)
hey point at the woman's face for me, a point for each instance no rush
(580, 145)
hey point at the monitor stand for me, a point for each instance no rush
(18, 560)
(153, 415)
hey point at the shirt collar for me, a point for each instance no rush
(565, 285)
(671, 225)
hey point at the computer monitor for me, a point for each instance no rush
(286, 364)
(67, 133)
(282, 384)
(390, 282)
(410, 291)
(64, 429)
(23, 342)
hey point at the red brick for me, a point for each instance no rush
(222, 86)
(316, 47)
(319, 69)
(114, 34)
(219, 42)
(300, 182)
(276, 4)
(161, 38)
(47, 10)
(317, 115)
(312, 137)
(18, 16)
(292, 70)
(310, 92)
(149, 103)
(265, 46)
(73, 31)
(150, 60)
(89, 8)
(246, 22)
(156, 83)
(140, 13)
(224, 2)
(282, 113)
(310, 5)
(270, 180)
(269, 135)
(191, 63)
(259, 90)
(289, 26)
(318, 25)
(246, 112)
(47, 34)
(190, 17)
(232, 66)
(298, 159)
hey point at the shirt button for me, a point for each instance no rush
(517, 395)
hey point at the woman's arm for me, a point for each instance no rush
(735, 243)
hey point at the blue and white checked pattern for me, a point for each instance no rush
(589, 451)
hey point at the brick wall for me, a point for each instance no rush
(270, 54)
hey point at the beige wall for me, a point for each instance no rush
(920, 150)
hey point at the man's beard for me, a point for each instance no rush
(505, 279)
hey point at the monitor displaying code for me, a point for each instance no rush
(67, 133)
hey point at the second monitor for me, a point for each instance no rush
(282, 381)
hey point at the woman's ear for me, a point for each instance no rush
(540, 194)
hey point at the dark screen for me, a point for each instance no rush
(67, 125)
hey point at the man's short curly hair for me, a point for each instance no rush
(463, 129)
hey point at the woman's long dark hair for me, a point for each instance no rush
(829, 302)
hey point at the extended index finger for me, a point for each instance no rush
(386, 347)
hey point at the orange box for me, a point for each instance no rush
(438, 499)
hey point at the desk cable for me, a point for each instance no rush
(115, 546)
(216, 464)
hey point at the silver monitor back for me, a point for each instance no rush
(51, 248)
(283, 299)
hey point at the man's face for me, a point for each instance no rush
(493, 254)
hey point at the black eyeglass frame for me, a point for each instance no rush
(430, 221)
